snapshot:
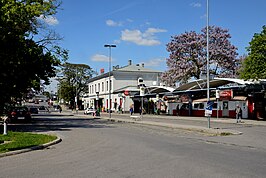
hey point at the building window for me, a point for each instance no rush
(107, 86)
(92, 89)
(110, 84)
(102, 87)
(95, 88)
(98, 87)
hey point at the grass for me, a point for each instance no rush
(20, 140)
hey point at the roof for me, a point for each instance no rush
(158, 89)
(128, 68)
(214, 83)
(136, 68)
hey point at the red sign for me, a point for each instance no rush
(126, 92)
(226, 94)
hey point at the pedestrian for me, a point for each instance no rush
(131, 110)
(119, 109)
(140, 110)
(238, 114)
(177, 110)
(60, 109)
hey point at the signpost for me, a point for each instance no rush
(208, 111)
(142, 93)
(217, 94)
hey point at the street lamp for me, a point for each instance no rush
(110, 47)
(208, 70)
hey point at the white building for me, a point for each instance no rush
(123, 84)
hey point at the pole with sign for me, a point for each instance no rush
(208, 111)
(217, 98)
(141, 93)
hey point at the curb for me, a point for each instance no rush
(39, 147)
(221, 132)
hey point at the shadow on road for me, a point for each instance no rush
(58, 122)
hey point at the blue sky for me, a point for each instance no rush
(142, 28)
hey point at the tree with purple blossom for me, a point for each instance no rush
(188, 53)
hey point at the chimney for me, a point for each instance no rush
(101, 70)
(142, 65)
(129, 62)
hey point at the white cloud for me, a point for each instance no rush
(113, 23)
(195, 4)
(147, 38)
(50, 20)
(100, 58)
(154, 62)
(203, 16)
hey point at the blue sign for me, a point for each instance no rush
(209, 105)
(208, 110)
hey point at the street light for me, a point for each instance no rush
(208, 72)
(110, 47)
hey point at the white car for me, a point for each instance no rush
(89, 111)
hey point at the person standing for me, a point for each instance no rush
(238, 114)
(177, 110)
(131, 110)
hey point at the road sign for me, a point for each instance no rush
(208, 109)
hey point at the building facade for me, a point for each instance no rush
(121, 84)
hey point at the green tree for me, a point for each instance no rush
(254, 66)
(74, 81)
(26, 57)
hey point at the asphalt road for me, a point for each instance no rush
(99, 148)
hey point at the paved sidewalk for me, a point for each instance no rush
(198, 124)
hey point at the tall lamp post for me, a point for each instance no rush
(110, 46)
(208, 72)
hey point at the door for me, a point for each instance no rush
(244, 110)
(225, 109)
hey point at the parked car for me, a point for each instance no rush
(34, 110)
(89, 111)
(19, 113)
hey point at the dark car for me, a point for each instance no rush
(19, 113)
(34, 110)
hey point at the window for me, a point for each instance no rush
(102, 87)
(201, 105)
(98, 87)
(106, 85)
(110, 84)
(95, 88)
(92, 89)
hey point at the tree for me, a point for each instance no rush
(74, 81)
(254, 66)
(187, 57)
(24, 60)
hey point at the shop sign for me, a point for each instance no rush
(226, 94)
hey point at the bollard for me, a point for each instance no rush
(5, 125)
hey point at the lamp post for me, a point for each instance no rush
(208, 72)
(76, 98)
(110, 47)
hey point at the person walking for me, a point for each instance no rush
(238, 114)
(131, 110)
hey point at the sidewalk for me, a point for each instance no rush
(171, 122)
(197, 124)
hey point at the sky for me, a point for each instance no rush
(141, 28)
